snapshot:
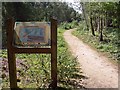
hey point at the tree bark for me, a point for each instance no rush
(85, 16)
(92, 28)
(101, 30)
(96, 24)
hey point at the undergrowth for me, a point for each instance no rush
(33, 70)
(68, 25)
(110, 44)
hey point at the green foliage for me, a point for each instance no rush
(102, 20)
(36, 11)
(3, 53)
(66, 63)
(33, 70)
(100, 15)
(67, 26)
(74, 23)
(37, 72)
(110, 43)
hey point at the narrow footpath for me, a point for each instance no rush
(100, 72)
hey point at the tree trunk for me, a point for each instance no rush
(85, 16)
(96, 24)
(101, 31)
(92, 28)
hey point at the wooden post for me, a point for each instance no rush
(54, 53)
(11, 54)
(12, 50)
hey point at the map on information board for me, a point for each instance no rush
(32, 33)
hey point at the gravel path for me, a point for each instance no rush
(100, 71)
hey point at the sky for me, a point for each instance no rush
(76, 4)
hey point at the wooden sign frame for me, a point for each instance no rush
(11, 50)
(26, 28)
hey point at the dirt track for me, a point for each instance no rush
(100, 71)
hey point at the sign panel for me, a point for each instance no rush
(32, 33)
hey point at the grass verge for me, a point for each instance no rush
(109, 45)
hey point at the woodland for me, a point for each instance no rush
(98, 25)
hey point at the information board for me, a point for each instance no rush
(32, 33)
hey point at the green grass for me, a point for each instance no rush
(109, 45)
(33, 70)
